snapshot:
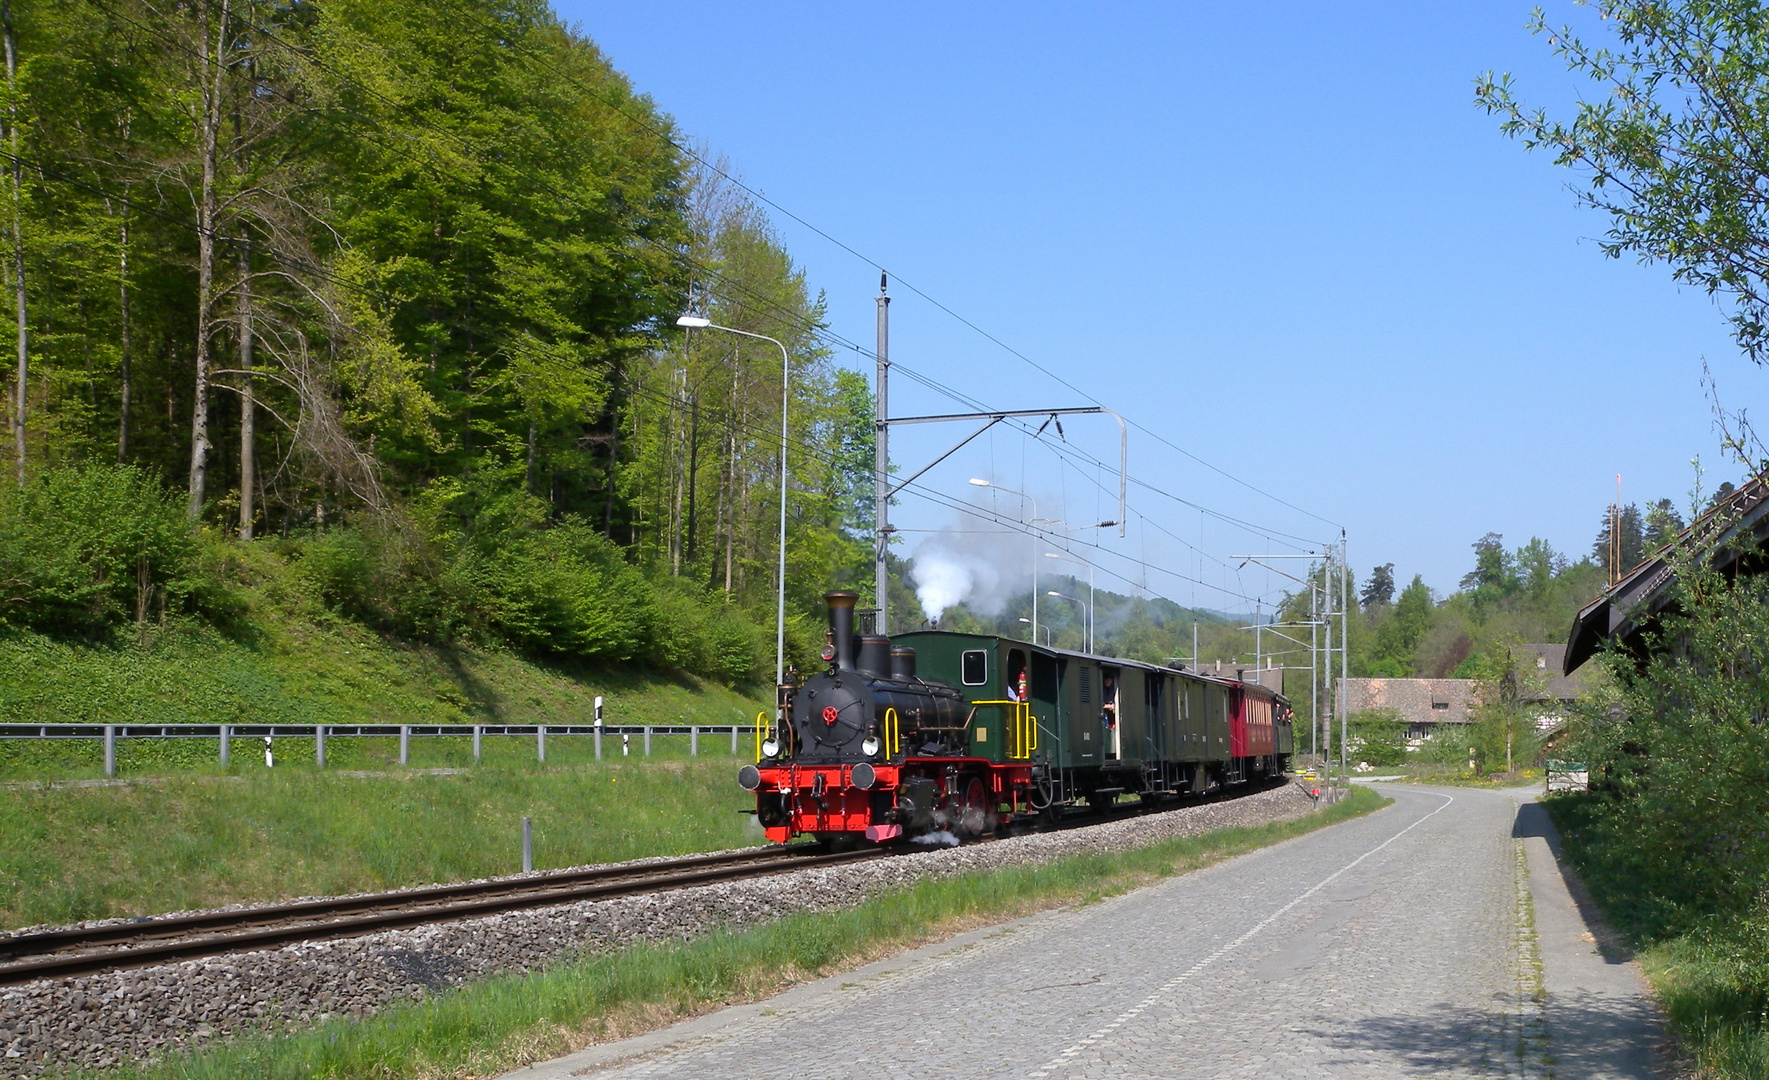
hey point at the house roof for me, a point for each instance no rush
(1443, 701)
(1550, 659)
(1633, 604)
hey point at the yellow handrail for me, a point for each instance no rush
(761, 725)
(1025, 727)
(892, 739)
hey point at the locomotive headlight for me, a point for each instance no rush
(869, 746)
(771, 748)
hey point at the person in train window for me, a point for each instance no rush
(1108, 712)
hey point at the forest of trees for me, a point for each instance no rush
(400, 280)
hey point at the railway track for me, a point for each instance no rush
(144, 942)
(147, 941)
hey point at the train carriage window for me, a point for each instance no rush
(974, 667)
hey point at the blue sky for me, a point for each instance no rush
(1284, 238)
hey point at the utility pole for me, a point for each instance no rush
(1344, 644)
(1314, 669)
(1324, 707)
(881, 485)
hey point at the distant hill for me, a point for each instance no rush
(1153, 629)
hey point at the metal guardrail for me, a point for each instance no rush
(225, 734)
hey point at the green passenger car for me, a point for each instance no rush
(1106, 726)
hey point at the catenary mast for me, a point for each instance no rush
(881, 488)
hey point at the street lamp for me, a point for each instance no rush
(695, 322)
(976, 482)
(1086, 610)
(1090, 588)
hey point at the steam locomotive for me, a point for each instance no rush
(940, 737)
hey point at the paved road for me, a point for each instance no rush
(1400, 944)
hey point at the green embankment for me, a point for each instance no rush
(499, 1024)
(71, 853)
(183, 832)
(301, 672)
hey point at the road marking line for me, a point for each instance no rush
(1172, 984)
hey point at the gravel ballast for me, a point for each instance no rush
(126, 1016)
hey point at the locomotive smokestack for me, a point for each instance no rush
(841, 626)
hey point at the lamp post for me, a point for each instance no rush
(695, 322)
(1090, 589)
(975, 482)
(1086, 610)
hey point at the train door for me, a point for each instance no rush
(1047, 703)
(1086, 723)
(1068, 741)
(998, 740)
(1191, 717)
(1154, 688)
(1215, 723)
(1238, 746)
(1111, 731)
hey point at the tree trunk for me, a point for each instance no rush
(18, 240)
(528, 475)
(208, 129)
(123, 401)
(677, 438)
(613, 471)
(248, 404)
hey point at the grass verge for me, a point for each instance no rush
(1711, 976)
(506, 1022)
(72, 853)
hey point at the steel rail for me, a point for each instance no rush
(151, 941)
(61, 953)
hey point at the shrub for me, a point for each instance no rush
(706, 634)
(1378, 737)
(1683, 762)
(568, 591)
(497, 568)
(386, 580)
(83, 549)
(1448, 745)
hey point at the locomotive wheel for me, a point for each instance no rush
(974, 818)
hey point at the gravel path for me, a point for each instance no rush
(1399, 944)
(104, 1020)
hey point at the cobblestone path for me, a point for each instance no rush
(1395, 945)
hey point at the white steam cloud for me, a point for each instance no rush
(981, 571)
